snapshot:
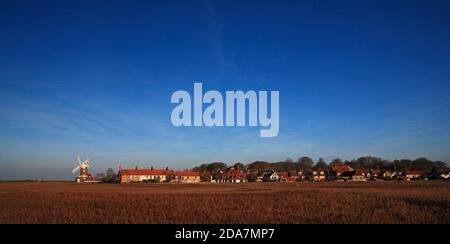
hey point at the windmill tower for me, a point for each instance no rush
(84, 175)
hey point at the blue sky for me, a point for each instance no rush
(95, 78)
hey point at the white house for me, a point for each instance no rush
(273, 176)
(445, 176)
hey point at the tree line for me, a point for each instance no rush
(307, 163)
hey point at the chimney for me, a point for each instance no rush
(151, 168)
(167, 168)
(136, 167)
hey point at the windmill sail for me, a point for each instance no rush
(75, 170)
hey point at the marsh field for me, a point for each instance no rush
(249, 203)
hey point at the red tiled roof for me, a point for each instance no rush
(341, 169)
(145, 172)
(186, 173)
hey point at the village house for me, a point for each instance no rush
(230, 176)
(144, 175)
(375, 173)
(413, 174)
(352, 176)
(187, 177)
(366, 173)
(274, 176)
(388, 174)
(319, 175)
(359, 176)
(445, 176)
(336, 171)
(339, 170)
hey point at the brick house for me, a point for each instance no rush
(187, 177)
(230, 176)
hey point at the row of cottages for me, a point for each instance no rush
(157, 175)
(143, 175)
(347, 173)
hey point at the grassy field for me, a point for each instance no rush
(367, 202)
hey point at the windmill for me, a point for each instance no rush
(84, 174)
(82, 166)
